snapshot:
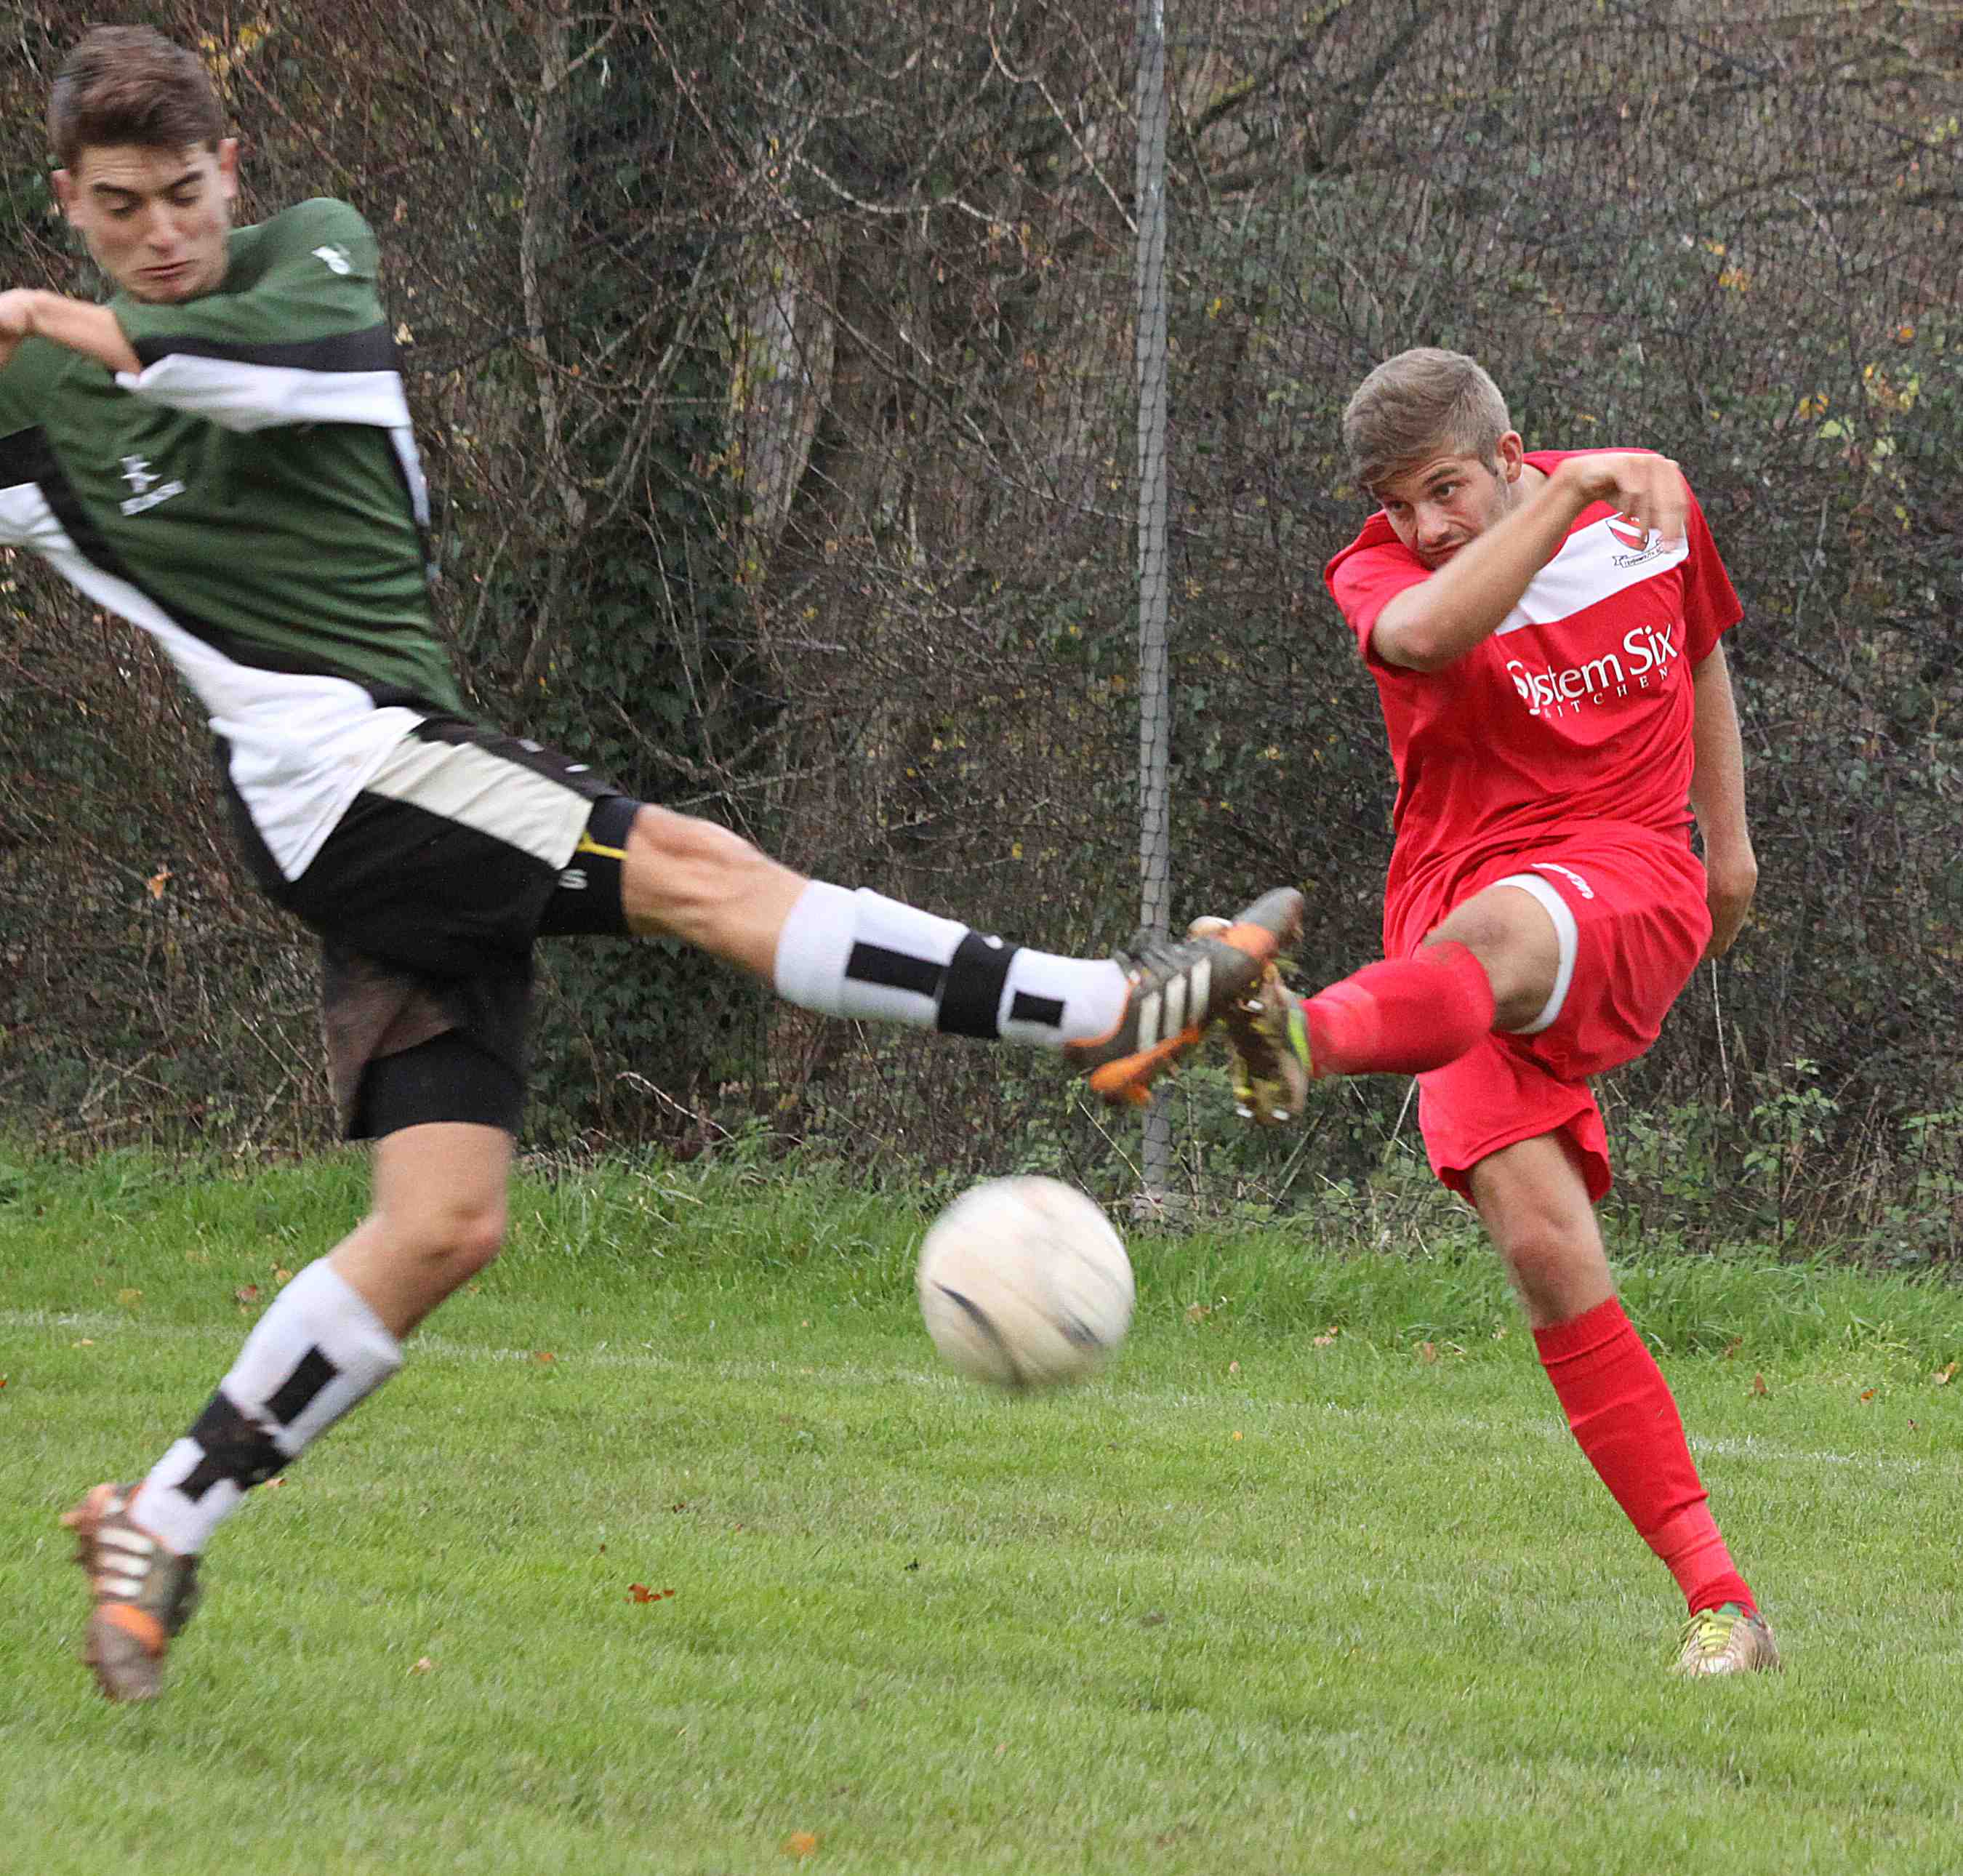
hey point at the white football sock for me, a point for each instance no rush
(318, 1351)
(860, 955)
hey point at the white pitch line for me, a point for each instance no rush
(108, 1327)
(1752, 1446)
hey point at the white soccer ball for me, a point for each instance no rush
(1024, 1283)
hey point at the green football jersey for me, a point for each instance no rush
(251, 497)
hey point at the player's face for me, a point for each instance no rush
(154, 220)
(1450, 498)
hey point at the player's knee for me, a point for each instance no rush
(1557, 1265)
(1538, 1257)
(476, 1237)
(458, 1235)
(1514, 937)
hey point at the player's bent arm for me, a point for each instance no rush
(1427, 627)
(1717, 798)
(90, 330)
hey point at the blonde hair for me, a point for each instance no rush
(1418, 403)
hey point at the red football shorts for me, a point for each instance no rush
(1629, 907)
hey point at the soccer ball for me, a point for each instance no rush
(1024, 1283)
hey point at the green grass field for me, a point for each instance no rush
(1261, 1599)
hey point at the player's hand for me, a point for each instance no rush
(1730, 880)
(1649, 489)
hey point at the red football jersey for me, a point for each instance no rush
(1578, 708)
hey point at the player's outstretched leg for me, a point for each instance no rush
(1122, 1020)
(1175, 988)
(143, 1593)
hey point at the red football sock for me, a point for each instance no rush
(1402, 1016)
(1621, 1410)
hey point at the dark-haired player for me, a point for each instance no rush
(222, 454)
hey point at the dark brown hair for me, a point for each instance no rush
(1416, 403)
(127, 84)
